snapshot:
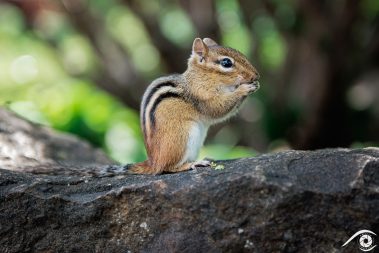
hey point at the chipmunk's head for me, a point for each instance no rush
(223, 65)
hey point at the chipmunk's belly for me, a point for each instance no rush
(197, 134)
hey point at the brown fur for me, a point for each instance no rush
(206, 93)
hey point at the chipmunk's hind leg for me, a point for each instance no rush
(143, 168)
(184, 167)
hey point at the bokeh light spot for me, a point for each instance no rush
(24, 69)
(360, 96)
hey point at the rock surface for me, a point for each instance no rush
(23, 145)
(293, 201)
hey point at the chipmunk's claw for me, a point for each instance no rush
(202, 163)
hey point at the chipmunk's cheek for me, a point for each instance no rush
(228, 88)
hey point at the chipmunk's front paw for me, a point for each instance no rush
(248, 88)
(202, 163)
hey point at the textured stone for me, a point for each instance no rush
(292, 201)
(24, 145)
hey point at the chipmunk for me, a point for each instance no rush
(177, 110)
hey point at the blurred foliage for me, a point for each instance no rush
(48, 73)
(37, 82)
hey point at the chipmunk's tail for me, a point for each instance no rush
(95, 171)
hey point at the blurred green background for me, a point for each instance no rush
(82, 66)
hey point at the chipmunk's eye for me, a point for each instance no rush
(226, 63)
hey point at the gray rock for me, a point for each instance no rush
(292, 201)
(23, 145)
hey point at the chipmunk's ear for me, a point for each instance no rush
(209, 42)
(199, 48)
